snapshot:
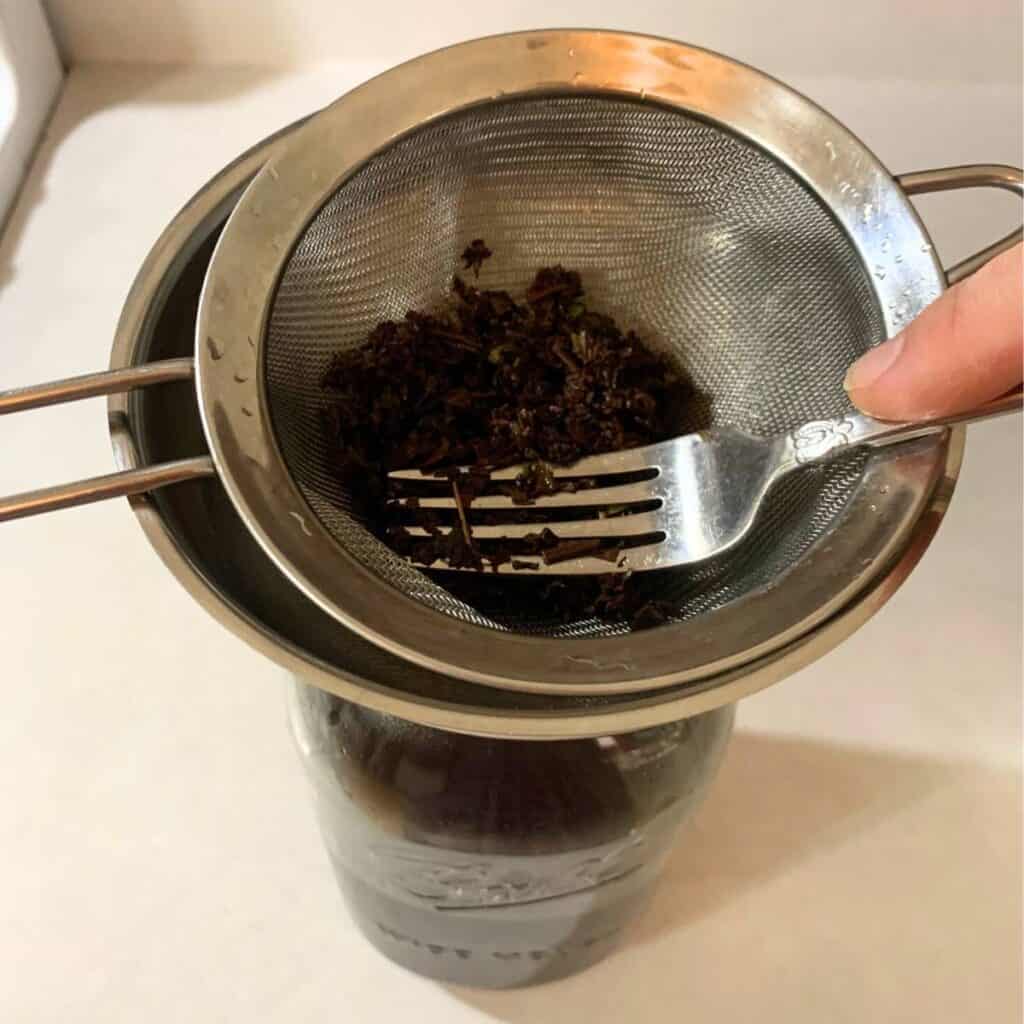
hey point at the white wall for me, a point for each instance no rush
(922, 40)
(30, 77)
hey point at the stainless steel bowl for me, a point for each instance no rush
(197, 533)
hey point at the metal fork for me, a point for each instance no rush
(701, 498)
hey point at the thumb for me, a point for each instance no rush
(963, 350)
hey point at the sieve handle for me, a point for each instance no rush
(946, 179)
(113, 485)
(91, 385)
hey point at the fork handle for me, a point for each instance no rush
(820, 439)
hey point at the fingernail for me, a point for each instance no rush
(870, 367)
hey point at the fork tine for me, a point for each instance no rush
(615, 526)
(629, 461)
(632, 559)
(621, 495)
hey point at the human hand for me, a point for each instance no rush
(963, 350)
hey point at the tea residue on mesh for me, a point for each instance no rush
(486, 381)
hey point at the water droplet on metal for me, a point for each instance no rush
(885, 243)
(831, 150)
(572, 53)
(879, 271)
(874, 508)
(926, 247)
(898, 258)
(302, 522)
(577, 77)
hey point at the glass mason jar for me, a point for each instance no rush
(490, 862)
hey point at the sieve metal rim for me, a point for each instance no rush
(284, 197)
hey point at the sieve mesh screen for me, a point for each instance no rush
(711, 249)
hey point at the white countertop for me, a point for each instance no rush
(859, 858)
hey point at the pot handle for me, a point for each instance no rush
(113, 485)
(945, 179)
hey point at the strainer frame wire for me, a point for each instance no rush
(284, 198)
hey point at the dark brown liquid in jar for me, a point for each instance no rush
(491, 862)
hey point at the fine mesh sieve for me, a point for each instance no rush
(738, 226)
(735, 225)
(718, 255)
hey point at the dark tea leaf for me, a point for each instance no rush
(486, 381)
